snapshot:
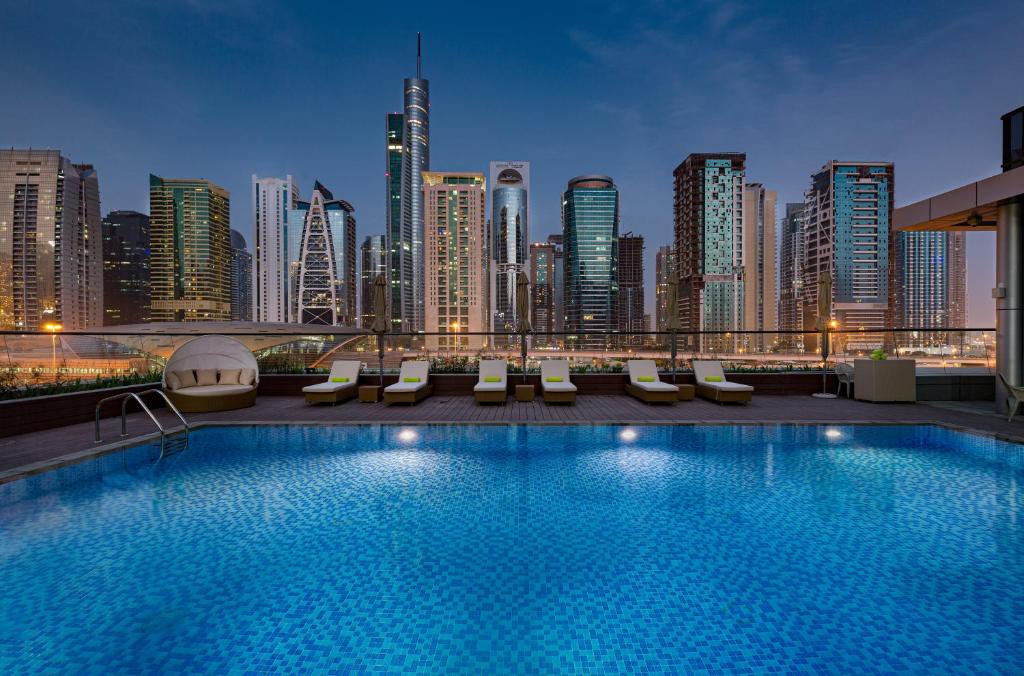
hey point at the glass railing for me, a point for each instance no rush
(42, 361)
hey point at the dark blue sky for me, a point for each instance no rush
(226, 88)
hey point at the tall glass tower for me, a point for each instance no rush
(415, 161)
(399, 229)
(590, 230)
(325, 277)
(510, 199)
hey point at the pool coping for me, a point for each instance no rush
(86, 455)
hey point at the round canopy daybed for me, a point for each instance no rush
(211, 373)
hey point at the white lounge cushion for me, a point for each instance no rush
(555, 368)
(213, 390)
(411, 369)
(656, 386)
(646, 368)
(702, 369)
(727, 386)
(405, 387)
(490, 387)
(340, 370)
(328, 387)
(492, 368)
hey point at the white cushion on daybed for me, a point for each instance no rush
(490, 368)
(212, 390)
(638, 368)
(411, 369)
(339, 369)
(702, 369)
(211, 352)
(555, 368)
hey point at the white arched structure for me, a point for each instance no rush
(211, 373)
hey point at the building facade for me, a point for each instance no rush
(241, 279)
(708, 207)
(125, 268)
(190, 244)
(760, 295)
(559, 324)
(664, 269)
(931, 283)
(272, 199)
(510, 208)
(791, 264)
(631, 288)
(324, 281)
(590, 231)
(415, 161)
(374, 261)
(456, 260)
(847, 225)
(399, 228)
(956, 279)
(51, 258)
(542, 282)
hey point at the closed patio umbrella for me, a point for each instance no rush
(672, 323)
(824, 316)
(380, 318)
(523, 312)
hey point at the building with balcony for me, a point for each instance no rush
(631, 288)
(760, 294)
(272, 199)
(125, 268)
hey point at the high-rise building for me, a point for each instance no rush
(631, 287)
(51, 258)
(791, 264)
(559, 285)
(847, 221)
(664, 269)
(415, 161)
(399, 228)
(241, 279)
(930, 272)
(590, 230)
(375, 258)
(542, 305)
(190, 240)
(272, 199)
(709, 247)
(510, 208)
(760, 298)
(324, 281)
(125, 268)
(456, 259)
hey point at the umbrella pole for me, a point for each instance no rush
(380, 357)
(824, 394)
(673, 357)
(523, 341)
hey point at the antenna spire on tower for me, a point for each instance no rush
(419, 52)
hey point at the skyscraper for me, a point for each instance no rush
(848, 215)
(241, 279)
(760, 298)
(542, 305)
(791, 264)
(325, 277)
(190, 262)
(709, 246)
(456, 259)
(125, 268)
(559, 286)
(51, 257)
(272, 199)
(399, 228)
(930, 273)
(375, 257)
(510, 200)
(590, 230)
(664, 269)
(631, 287)
(415, 161)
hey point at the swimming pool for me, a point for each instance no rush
(489, 549)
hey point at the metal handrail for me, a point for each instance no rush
(137, 396)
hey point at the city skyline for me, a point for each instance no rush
(782, 146)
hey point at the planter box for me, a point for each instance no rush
(884, 380)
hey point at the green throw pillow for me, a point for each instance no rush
(339, 380)
(713, 379)
(553, 379)
(411, 380)
(645, 379)
(492, 379)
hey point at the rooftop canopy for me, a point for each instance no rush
(970, 207)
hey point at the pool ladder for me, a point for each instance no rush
(169, 445)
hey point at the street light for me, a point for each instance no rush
(53, 328)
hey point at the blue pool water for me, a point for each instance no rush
(524, 549)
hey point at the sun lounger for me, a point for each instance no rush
(711, 383)
(413, 384)
(555, 382)
(342, 384)
(492, 387)
(645, 385)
